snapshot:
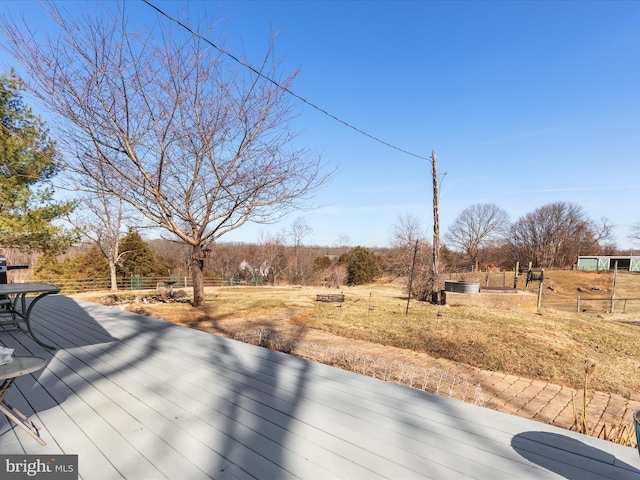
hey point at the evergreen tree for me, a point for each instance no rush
(83, 266)
(137, 257)
(362, 265)
(27, 162)
(89, 265)
(321, 263)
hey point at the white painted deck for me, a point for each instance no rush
(139, 398)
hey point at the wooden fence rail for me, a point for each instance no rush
(132, 283)
(580, 307)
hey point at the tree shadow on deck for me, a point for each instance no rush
(141, 398)
(182, 403)
(561, 454)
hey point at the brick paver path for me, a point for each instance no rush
(554, 404)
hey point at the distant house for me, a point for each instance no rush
(629, 262)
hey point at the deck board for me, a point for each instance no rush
(140, 398)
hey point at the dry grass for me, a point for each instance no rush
(221, 303)
(551, 345)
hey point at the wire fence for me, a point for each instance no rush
(496, 280)
(579, 304)
(607, 305)
(432, 380)
(587, 302)
(132, 283)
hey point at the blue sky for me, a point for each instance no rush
(525, 103)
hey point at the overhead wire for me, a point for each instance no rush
(287, 90)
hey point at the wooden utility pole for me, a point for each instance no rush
(435, 292)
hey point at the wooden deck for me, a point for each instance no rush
(139, 398)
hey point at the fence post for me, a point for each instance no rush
(540, 294)
(613, 287)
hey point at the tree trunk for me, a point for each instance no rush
(197, 267)
(114, 276)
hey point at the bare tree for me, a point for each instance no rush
(298, 231)
(104, 228)
(552, 235)
(164, 121)
(634, 234)
(343, 243)
(336, 275)
(270, 252)
(476, 227)
(406, 232)
(225, 260)
(602, 231)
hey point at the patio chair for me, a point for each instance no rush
(9, 372)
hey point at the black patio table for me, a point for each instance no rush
(15, 304)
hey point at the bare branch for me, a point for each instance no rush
(475, 227)
(634, 235)
(554, 235)
(158, 119)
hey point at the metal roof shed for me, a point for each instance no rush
(609, 262)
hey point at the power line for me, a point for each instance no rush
(290, 92)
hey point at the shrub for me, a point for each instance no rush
(363, 266)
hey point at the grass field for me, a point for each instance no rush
(551, 344)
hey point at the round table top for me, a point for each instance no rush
(21, 366)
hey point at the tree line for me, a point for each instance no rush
(551, 236)
(271, 262)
